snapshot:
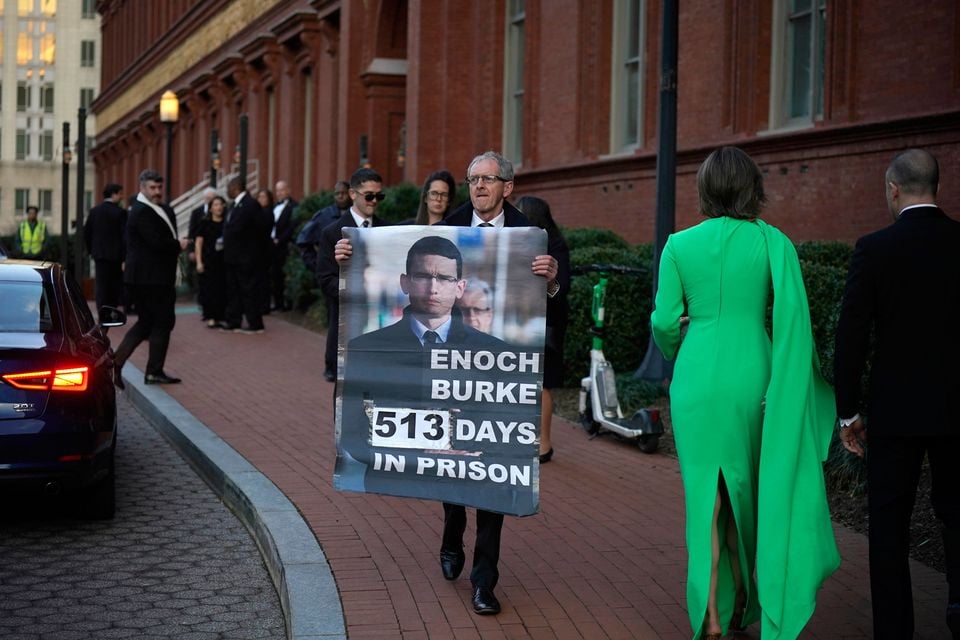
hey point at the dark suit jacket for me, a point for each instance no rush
(513, 217)
(104, 231)
(328, 271)
(904, 284)
(152, 249)
(463, 216)
(243, 232)
(284, 224)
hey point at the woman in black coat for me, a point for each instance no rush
(209, 251)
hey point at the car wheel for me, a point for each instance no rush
(99, 501)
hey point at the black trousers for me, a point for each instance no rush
(109, 283)
(333, 322)
(243, 295)
(486, 552)
(155, 320)
(278, 278)
(893, 471)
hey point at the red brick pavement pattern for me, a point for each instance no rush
(604, 558)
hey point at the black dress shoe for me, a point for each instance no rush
(118, 376)
(329, 376)
(484, 602)
(451, 563)
(160, 378)
(545, 457)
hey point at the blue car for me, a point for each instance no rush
(58, 403)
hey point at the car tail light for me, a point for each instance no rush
(72, 379)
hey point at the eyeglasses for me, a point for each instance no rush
(473, 180)
(427, 278)
(370, 197)
(438, 195)
(469, 312)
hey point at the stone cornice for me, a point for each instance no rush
(194, 39)
(784, 144)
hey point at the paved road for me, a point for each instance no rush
(174, 562)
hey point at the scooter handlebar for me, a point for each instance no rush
(607, 268)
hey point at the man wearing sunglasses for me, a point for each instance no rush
(366, 191)
(490, 178)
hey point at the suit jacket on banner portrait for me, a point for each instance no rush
(456, 421)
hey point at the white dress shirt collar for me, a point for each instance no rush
(497, 222)
(443, 331)
(359, 219)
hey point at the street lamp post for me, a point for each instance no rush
(65, 196)
(169, 114)
(214, 157)
(81, 147)
(654, 366)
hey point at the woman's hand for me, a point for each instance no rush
(199, 267)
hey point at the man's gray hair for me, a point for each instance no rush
(476, 284)
(150, 175)
(209, 193)
(505, 167)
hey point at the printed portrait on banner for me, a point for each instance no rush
(441, 365)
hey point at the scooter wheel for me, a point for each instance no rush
(648, 444)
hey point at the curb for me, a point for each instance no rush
(297, 565)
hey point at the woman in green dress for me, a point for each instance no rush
(752, 417)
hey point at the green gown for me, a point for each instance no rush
(751, 410)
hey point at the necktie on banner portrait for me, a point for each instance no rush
(431, 407)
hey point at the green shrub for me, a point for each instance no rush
(400, 204)
(830, 254)
(635, 393)
(627, 319)
(301, 289)
(310, 205)
(585, 237)
(824, 284)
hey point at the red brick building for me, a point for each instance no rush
(821, 92)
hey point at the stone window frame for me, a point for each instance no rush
(784, 63)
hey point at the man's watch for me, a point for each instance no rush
(553, 289)
(844, 423)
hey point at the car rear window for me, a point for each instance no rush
(25, 307)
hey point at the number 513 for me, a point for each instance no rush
(410, 428)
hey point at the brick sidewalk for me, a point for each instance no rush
(604, 558)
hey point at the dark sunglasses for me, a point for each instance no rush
(370, 197)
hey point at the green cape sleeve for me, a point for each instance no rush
(796, 550)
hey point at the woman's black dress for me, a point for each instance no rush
(213, 280)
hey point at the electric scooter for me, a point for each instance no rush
(599, 405)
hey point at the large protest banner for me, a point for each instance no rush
(429, 406)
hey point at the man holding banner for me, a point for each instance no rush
(499, 387)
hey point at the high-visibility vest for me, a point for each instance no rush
(31, 240)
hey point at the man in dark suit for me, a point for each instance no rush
(904, 284)
(103, 234)
(151, 273)
(490, 177)
(280, 237)
(366, 192)
(242, 245)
